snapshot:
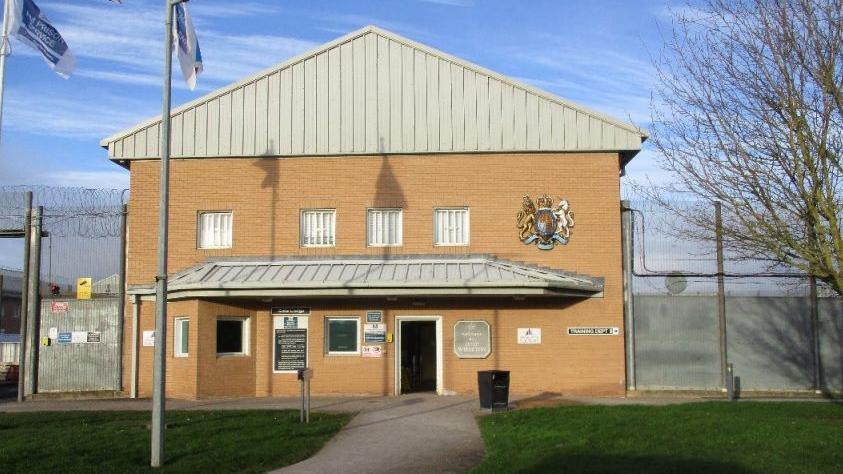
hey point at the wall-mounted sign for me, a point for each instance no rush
(64, 337)
(543, 224)
(593, 331)
(83, 288)
(374, 332)
(79, 337)
(289, 346)
(59, 306)
(373, 351)
(529, 336)
(290, 349)
(374, 316)
(472, 339)
(148, 338)
(94, 337)
(294, 310)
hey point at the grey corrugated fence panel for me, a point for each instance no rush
(370, 92)
(769, 342)
(67, 367)
(9, 352)
(831, 342)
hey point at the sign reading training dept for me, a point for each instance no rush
(472, 339)
(593, 331)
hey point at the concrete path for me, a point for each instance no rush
(407, 434)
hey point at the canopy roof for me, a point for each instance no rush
(372, 91)
(419, 275)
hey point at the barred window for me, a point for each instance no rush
(318, 227)
(450, 226)
(214, 230)
(385, 227)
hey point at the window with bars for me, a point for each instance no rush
(450, 226)
(385, 227)
(318, 227)
(214, 230)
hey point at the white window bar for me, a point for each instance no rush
(385, 227)
(318, 227)
(451, 226)
(215, 230)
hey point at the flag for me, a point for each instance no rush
(32, 28)
(184, 40)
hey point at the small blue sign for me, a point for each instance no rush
(64, 338)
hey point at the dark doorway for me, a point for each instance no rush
(418, 356)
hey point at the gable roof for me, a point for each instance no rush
(372, 91)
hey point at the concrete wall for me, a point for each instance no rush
(769, 342)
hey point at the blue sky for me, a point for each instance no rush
(596, 53)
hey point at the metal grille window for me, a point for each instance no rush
(385, 227)
(318, 227)
(450, 226)
(214, 230)
(182, 333)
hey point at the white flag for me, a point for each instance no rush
(185, 42)
(32, 28)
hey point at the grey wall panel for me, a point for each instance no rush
(75, 367)
(769, 342)
(373, 91)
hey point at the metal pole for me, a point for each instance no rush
(135, 331)
(628, 309)
(24, 290)
(34, 302)
(2, 313)
(721, 293)
(307, 413)
(3, 54)
(815, 334)
(159, 364)
(121, 291)
(301, 409)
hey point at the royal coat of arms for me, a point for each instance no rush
(544, 224)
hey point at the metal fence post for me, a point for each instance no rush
(24, 290)
(815, 334)
(628, 304)
(34, 302)
(121, 292)
(721, 293)
(2, 313)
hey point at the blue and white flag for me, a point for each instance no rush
(31, 27)
(184, 40)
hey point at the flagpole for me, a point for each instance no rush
(160, 362)
(3, 54)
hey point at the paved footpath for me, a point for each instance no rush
(406, 434)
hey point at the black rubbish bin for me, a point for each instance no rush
(493, 386)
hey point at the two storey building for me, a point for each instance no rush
(389, 215)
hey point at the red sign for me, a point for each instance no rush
(59, 306)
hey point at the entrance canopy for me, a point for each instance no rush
(373, 277)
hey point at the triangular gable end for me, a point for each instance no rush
(369, 92)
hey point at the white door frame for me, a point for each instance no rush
(439, 362)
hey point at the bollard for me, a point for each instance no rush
(730, 382)
(304, 376)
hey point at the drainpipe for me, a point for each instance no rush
(628, 307)
(135, 318)
(121, 303)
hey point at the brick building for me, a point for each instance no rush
(361, 209)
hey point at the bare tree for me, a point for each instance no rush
(748, 111)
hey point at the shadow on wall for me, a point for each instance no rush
(271, 179)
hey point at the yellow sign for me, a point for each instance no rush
(83, 288)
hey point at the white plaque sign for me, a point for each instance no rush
(148, 338)
(472, 339)
(529, 335)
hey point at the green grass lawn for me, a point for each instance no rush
(697, 437)
(196, 441)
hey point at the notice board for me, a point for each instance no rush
(289, 344)
(290, 349)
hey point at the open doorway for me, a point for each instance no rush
(419, 361)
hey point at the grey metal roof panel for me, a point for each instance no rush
(456, 107)
(431, 272)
